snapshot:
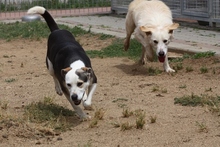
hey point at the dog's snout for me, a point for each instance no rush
(161, 53)
(74, 97)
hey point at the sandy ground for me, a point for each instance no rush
(121, 82)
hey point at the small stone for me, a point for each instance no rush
(59, 138)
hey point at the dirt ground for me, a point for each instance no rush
(118, 79)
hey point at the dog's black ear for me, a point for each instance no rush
(65, 70)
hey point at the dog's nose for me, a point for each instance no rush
(74, 97)
(161, 53)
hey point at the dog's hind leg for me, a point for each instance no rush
(57, 86)
(88, 101)
(56, 82)
(147, 53)
(150, 53)
(130, 26)
(143, 56)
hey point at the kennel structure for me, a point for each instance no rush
(204, 11)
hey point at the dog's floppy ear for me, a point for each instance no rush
(65, 70)
(84, 71)
(173, 27)
(146, 29)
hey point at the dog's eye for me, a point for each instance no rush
(165, 41)
(79, 84)
(68, 84)
(155, 41)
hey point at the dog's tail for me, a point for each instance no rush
(46, 15)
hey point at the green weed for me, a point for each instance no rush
(203, 55)
(99, 114)
(116, 50)
(155, 88)
(10, 80)
(153, 71)
(4, 105)
(31, 30)
(116, 124)
(126, 112)
(195, 100)
(182, 86)
(120, 100)
(202, 127)
(140, 119)
(203, 69)
(153, 119)
(105, 36)
(189, 69)
(126, 126)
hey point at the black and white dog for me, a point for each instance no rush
(68, 64)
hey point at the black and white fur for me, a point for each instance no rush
(68, 64)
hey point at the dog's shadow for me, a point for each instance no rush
(134, 69)
(59, 116)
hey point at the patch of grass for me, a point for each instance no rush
(153, 71)
(182, 86)
(203, 69)
(52, 115)
(88, 144)
(140, 119)
(127, 113)
(31, 30)
(93, 123)
(203, 55)
(120, 99)
(116, 49)
(10, 80)
(155, 88)
(178, 66)
(208, 90)
(4, 105)
(195, 100)
(105, 36)
(153, 119)
(99, 114)
(126, 126)
(213, 71)
(5, 56)
(185, 56)
(116, 124)
(194, 56)
(120, 102)
(189, 69)
(164, 90)
(202, 127)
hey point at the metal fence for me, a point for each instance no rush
(15, 9)
(201, 10)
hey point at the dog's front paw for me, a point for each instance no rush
(142, 61)
(58, 90)
(87, 105)
(169, 70)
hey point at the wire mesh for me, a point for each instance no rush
(12, 9)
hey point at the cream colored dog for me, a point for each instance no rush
(151, 22)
